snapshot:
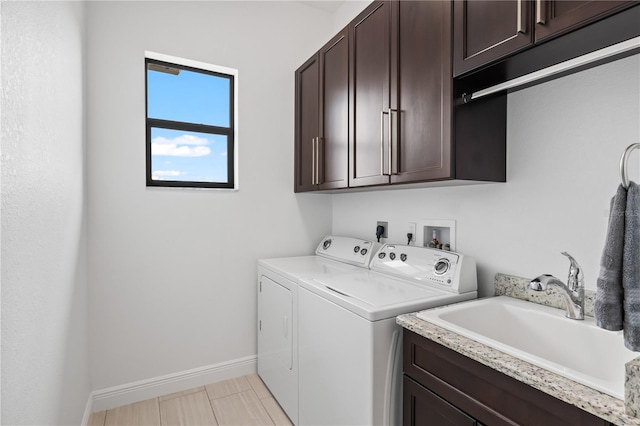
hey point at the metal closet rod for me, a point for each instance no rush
(598, 55)
(623, 163)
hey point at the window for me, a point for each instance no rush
(190, 120)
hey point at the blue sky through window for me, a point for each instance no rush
(188, 156)
(191, 97)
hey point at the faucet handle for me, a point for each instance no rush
(576, 278)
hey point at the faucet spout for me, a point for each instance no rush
(572, 293)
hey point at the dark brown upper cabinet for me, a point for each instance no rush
(400, 71)
(555, 17)
(307, 124)
(322, 118)
(369, 65)
(421, 91)
(486, 31)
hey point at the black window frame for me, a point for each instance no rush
(229, 132)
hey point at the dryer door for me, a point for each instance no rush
(275, 342)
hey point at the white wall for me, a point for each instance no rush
(173, 272)
(346, 12)
(564, 142)
(45, 373)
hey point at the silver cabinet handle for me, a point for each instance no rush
(520, 23)
(313, 161)
(390, 140)
(382, 113)
(539, 12)
(318, 160)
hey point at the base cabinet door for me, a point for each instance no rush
(460, 388)
(421, 407)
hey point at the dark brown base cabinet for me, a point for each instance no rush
(442, 387)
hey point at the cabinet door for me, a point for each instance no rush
(334, 113)
(485, 31)
(369, 96)
(554, 17)
(307, 131)
(421, 91)
(422, 407)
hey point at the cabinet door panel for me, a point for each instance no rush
(421, 90)
(369, 66)
(556, 17)
(306, 122)
(485, 31)
(424, 408)
(334, 113)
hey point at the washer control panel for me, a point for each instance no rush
(435, 267)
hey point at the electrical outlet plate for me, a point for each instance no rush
(386, 228)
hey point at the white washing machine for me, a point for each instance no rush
(278, 309)
(349, 343)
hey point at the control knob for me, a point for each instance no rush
(441, 266)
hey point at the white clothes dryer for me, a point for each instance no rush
(278, 309)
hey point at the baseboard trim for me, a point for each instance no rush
(88, 409)
(104, 399)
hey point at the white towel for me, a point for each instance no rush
(608, 309)
(631, 269)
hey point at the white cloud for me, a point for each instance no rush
(181, 140)
(179, 151)
(180, 146)
(159, 174)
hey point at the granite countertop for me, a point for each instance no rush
(590, 400)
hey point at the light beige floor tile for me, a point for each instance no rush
(258, 386)
(275, 412)
(183, 393)
(188, 410)
(97, 418)
(139, 414)
(227, 387)
(242, 408)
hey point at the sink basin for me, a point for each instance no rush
(543, 336)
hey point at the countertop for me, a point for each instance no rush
(588, 399)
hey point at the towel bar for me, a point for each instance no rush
(623, 163)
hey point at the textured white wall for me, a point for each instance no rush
(45, 376)
(173, 272)
(564, 142)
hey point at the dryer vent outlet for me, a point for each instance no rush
(385, 231)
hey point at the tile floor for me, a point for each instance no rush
(242, 401)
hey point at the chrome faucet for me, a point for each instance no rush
(573, 291)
